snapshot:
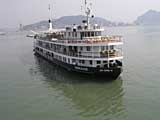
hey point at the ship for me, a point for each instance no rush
(82, 48)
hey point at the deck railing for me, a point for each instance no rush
(92, 40)
(109, 54)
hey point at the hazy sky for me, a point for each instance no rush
(14, 12)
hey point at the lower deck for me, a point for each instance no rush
(112, 71)
(89, 62)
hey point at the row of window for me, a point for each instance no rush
(88, 48)
(90, 34)
(73, 34)
(58, 47)
(64, 59)
(83, 34)
(100, 62)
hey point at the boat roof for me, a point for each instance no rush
(53, 31)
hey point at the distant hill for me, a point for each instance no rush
(151, 17)
(70, 20)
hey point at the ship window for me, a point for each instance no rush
(104, 61)
(95, 33)
(88, 48)
(112, 47)
(92, 34)
(111, 61)
(81, 48)
(91, 62)
(82, 35)
(102, 48)
(73, 60)
(52, 45)
(48, 53)
(98, 62)
(52, 55)
(68, 60)
(85, 34)
(69, 34)
(98, 66)
(60, 58)
(89, 34)
(83, 62)
(64, 59)
(75, 34)
(40, 43)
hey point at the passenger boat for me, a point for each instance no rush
(82, 48)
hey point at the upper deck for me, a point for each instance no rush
(87, 41)
(80, 36)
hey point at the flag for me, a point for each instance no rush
(85, 2)
(49, 7)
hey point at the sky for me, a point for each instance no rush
(15, 12)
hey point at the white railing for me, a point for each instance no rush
(91, 40)
(110, 54)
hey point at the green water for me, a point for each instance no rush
(32, 88)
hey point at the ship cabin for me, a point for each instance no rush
(82, 32)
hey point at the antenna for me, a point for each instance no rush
(88, 12)
(49, 8)
(85, 4)
(50, 21)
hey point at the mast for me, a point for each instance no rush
(87, 12)
(50, 21)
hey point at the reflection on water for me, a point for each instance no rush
(89, 96)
